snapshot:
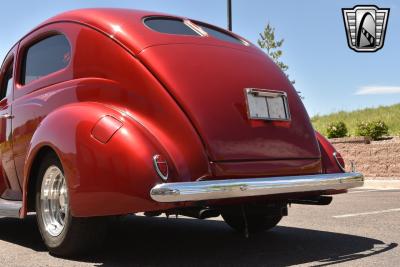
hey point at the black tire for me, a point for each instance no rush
(79, 235)
(258, 218)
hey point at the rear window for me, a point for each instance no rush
(45, 57)
(168, 25)
(220, 34)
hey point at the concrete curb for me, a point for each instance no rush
(381, 184)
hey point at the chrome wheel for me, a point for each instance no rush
(54, 201)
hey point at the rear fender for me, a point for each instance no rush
(105, 176)
(329, 163)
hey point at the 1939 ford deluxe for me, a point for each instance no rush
(108, 112)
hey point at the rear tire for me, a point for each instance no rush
(258, 218)
(63, 234)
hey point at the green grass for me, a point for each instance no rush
(389, 114)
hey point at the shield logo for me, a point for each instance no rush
(365, 27)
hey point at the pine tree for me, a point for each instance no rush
(273, 48)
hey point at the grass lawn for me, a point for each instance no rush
(389, 114)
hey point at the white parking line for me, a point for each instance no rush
(366, 213)
(371, 190)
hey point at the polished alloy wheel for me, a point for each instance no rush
(54, 201)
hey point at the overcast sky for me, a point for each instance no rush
(330, 75)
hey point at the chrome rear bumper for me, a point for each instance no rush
(233, 188)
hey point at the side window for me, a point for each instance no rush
(7, 82)
(45, 57)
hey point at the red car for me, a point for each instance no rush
(108, 112)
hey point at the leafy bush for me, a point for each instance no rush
(389, 114)
(374, 129)
(336, 129)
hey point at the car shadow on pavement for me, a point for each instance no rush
(21, 232)
(136, 240)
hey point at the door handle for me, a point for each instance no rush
(6, 116)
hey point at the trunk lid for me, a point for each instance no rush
(208, 82)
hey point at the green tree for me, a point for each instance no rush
(272, 47)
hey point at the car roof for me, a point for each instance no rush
(126, 26)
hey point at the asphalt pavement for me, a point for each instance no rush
(361, 228)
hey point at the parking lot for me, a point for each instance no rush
(361, 228)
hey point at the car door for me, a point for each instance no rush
(9, 184)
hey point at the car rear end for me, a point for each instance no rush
(261, 149)
(254, 127)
